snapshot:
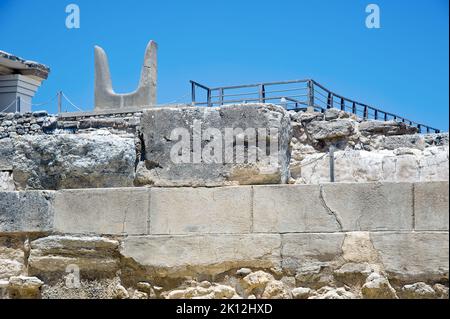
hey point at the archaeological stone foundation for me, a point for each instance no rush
(92, 206)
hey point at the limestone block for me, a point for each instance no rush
(178, 256)
(190, 146)
(291, 208)
(371, 206)
(73, 161)
(54, 254)
(12, 257)
(434, 164)
(299, 250)
(431, 206)
(416, 256)
(29, 211)
(6, 182)
(386, 128)
(200, 210)
(112, 211)
(329, 130)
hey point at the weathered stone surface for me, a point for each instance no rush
(12, 258)
(407, 165)
(201, 210)
(92, 255)
(358, 248)
(22, 287)
(276, 290)
(333, 293)
(73, 161)
(291, 208)
(329, 130)
(418, 256)
(184, 255)
(6, 154)
(369, 206)
(386, 128)
(301, 293)
(303, 249)
(256, 282)
(353, 273)
(418, 290)
(6, 182)
(431, 206)
(378, 287)
(30, 211)
(161, 132)
(415, 141)
(103, 211)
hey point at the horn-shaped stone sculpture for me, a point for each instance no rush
(145, 95)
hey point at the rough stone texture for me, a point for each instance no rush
(431, 206)
(378, 287)
(404, 165)
(413, 256)
(369, 206)
(93, 255)
(418, 290)
(12, 258)
(30, 211)
(160, 169)
(329, 130)
(6, 154)
(385, 128)
(6, 182)
(201, 210)
(102, 211)
(178, 255)
(280, 209)
(23, 287)
(74, 161)
(304, 249)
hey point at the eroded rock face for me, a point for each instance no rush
(210, 161)
(73, 161)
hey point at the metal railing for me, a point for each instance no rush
(295, 95)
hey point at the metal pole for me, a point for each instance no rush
(59, 102)
(331, 150)
(193, 93)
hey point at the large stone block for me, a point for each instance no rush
(291, 208)
(303, 250)
(90, 255)
(198, 146)
(431, 206)
(30, 211)
(414, 256)
(113, 211)
(178, 256)
(371, 206)
(200, 210)
(71, 161)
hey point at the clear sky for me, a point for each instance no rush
(403, 67)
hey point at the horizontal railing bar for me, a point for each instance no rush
(258, 84)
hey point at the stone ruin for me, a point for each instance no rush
(93, 205)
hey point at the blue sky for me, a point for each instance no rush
(401, 67)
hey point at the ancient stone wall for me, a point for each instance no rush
(130, 153)
(291, 241)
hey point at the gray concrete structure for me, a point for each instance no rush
(145, 95)
(19, 81)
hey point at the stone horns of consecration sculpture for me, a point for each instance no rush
(144, 96)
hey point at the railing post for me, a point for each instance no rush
(330, 101)
(311, 95)
(366, 112)
(221, 96)
(193, 93)
(385, 116)
(376, 114)
(262, 93)
(354, 108)
(419, 127)
(342, 104)
(209, 97)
